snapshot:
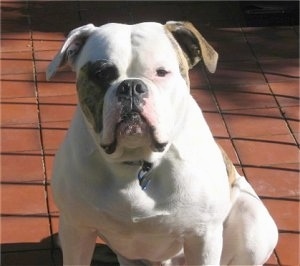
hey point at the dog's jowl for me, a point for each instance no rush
(139, 166)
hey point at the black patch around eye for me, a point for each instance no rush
(103, 72)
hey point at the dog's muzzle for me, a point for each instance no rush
(133, 123)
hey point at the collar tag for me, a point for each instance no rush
(143, 174)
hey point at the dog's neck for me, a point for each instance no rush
(143, 174)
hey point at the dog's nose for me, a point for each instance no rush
(132, 88)
(131, 94)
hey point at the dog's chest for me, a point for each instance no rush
(137, 226)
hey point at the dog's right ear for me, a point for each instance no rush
(70, 49)
(194, 46)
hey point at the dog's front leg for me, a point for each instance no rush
(204, 249)
(77, 243)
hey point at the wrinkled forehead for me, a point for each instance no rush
(122, 44)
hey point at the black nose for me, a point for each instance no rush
(131, 93)
(132, 88)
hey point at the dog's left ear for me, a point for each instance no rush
(70, 49)
(193, 44)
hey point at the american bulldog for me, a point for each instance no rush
(139, 166)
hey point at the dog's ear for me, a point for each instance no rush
(193, 44)
(70, 49)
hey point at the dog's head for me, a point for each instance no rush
(132, 80)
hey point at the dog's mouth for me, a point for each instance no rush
(134, 130)
(132, 124)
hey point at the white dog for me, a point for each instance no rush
(139, 166)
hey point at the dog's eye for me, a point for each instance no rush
(161, 72)
(104, 71)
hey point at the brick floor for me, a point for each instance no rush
(251, 104)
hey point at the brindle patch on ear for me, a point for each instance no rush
(193, 44)
(231, 173)
(91, 98)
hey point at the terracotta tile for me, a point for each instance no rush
(287, 93)
(295, 127)
(20, 140)
(220, 34)
(52, 138)
(281, 70)
(263, 153)
(30, 258)
(45, 52)
(23, 199)
(227, 50)
(48, 36)
(285, 213)
(297, 136)
(288, 249)
(231, 100)
(269, 33)
(198, 77)
(205, 100)
(260, 89)
(237, 73)
(57, 109)
(274, 182)
(22, 35)
(15, 45)
(60, 76)
(46, 89)
(49, 159)
(47, 45)
(11, 66)
(292, 112)
(17, 77)
(266, 48)
(20, 89)
(55, 226)
(292, 115)
(17, 55)
(216, 124)
(99, 241)
(24, 233)
(260, 124)
(54, 212)
(21, 114)
(23, 168)
(44, 58)
(229, 149)
(272, 261)
(59, 99)
(19, 100)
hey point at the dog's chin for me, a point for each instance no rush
(134, 132)
(132, 126)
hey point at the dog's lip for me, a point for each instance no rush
(132, 124)
(145, 128)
